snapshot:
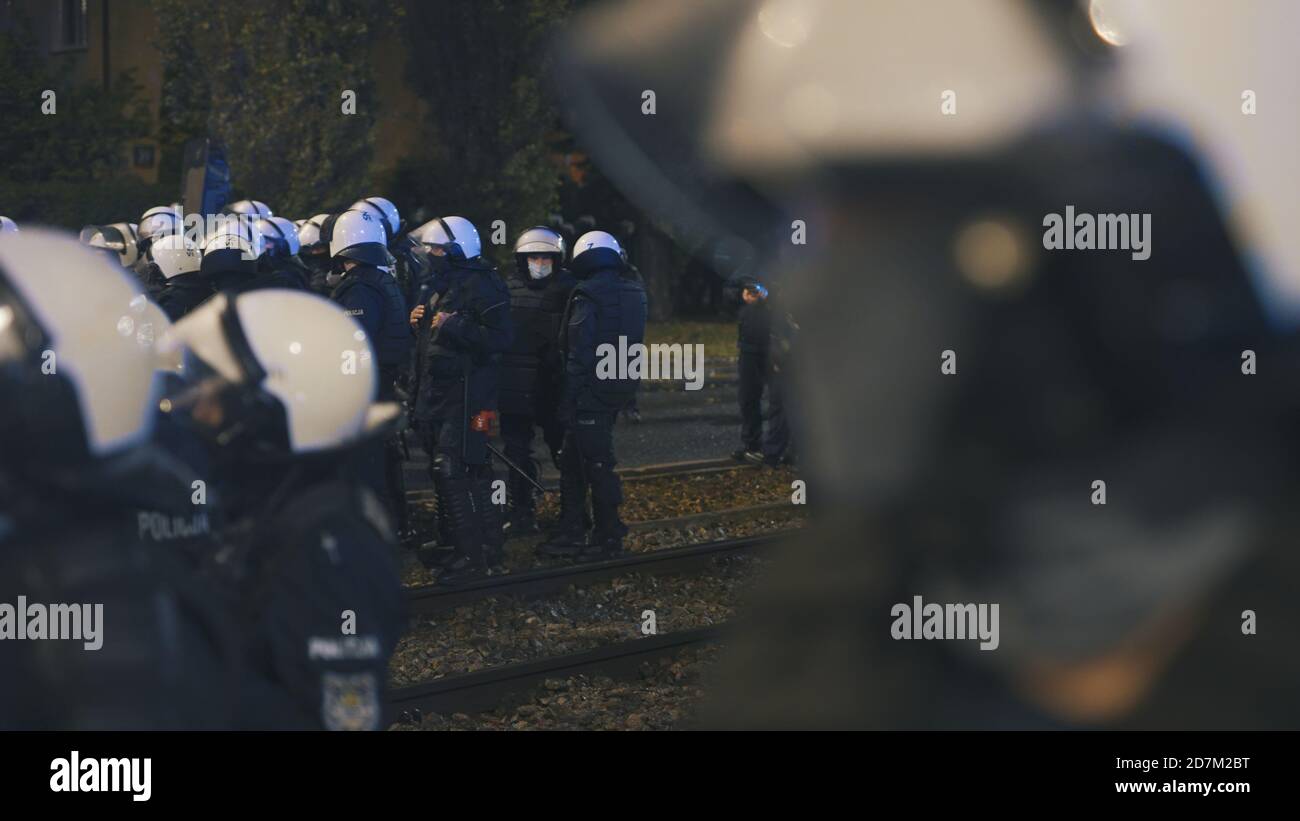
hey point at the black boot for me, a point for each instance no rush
(607, 537)
(570, 534)
(522, 519)
(490, 515)
(441, 551)
(456, 496)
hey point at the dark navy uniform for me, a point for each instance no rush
(184, 293)
(459, 376)
(284, 272)
(308, 567)
(165, 659)
(604, 307)
(531, 374)
(372, 297)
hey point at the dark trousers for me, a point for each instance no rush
(517, 430)
(587, 461)
(755, 376)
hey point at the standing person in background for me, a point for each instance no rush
(753, 344)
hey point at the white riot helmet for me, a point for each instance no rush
(176, 254)
(384, 208)
(249, 208)
(76, 384)
(269, 360)
(361, 236)
(538, 241)
(119, 239)
(8, 226)
(161, 219)
(234, 233)
(279, 237)
(455, 235)
(309, 230)
(595, 250)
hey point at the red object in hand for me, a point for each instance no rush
(482, 421)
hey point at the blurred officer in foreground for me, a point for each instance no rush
(280, 385)
(8, 226)
(605, 306)
(1081, 438)
(76, 471)
(531, 369)
(370, 295)
(464, 329)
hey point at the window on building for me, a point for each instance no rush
(69, 24)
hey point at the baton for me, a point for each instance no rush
(517, 469)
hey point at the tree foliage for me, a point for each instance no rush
(267, 80)
(52, 164)
(480, 65)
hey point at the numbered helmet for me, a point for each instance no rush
(455, 235)
(385, 209)
(176, 254)
(8, 226)
(361, 236)
(595, 250)
(281, 372)
(249, 208)
(278, 236)
(76, 384)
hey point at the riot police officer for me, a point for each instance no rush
(314, 253)
(76, 465)
(369, 293)
(180, 263)
(531, 369)
(464, 329)
(409, 267)
(280, 385)
(230, 255)
(279, 263)
(604, 306)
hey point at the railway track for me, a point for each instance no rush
(485, 689)
(433, 598)
(693, 467)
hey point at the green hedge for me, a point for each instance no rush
(72, 205)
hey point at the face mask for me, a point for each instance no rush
(539, 270)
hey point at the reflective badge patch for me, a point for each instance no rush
(355, 311)
(351, 701)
